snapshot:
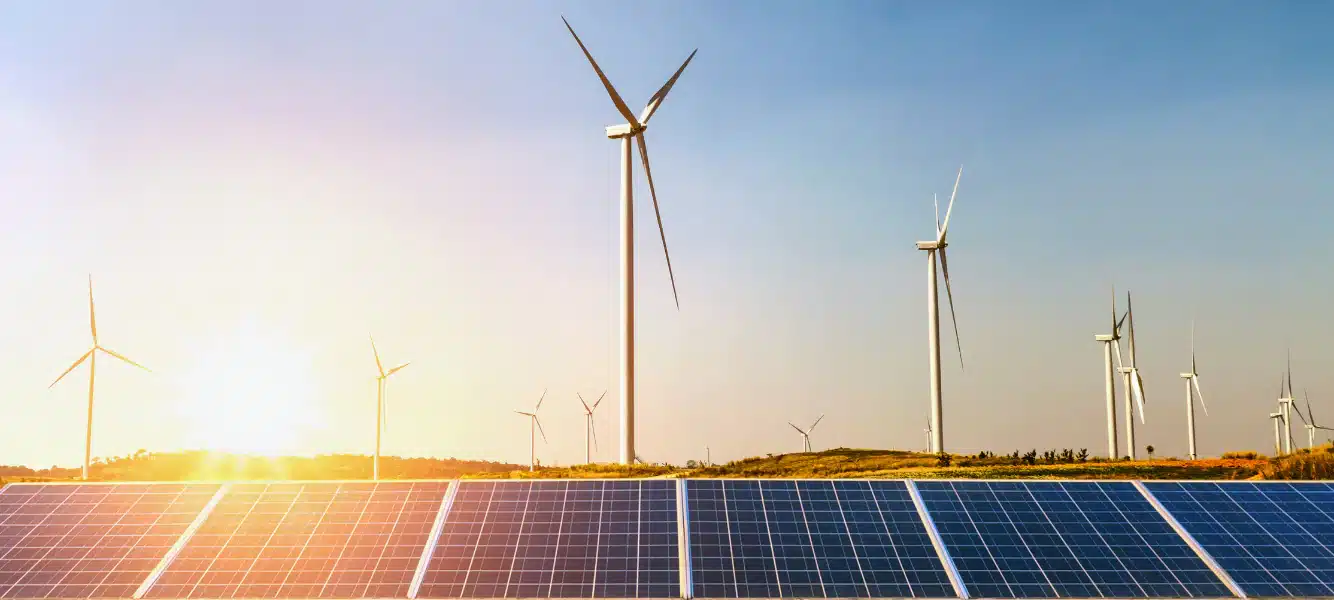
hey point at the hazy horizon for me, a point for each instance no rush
(255, 195)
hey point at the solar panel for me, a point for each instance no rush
(782, 538)
(1272, 538)
(557, 539)
(90, 540)
(1050, 539)
(307, 540)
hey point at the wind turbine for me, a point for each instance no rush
(91, 357)
(927, 431)
(933, 315)
(1276, 417)
(1285, 404)
(1311, 426)
(381, 418)
(1111, 346)
(590, 433)
(632, 131)
(806, 434)
(1192, 390)
(1134, 384)
(534, 427)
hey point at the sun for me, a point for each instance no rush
(249, 392)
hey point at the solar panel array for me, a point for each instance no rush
(623, 539)
(1080, 539)
(827, 539)
(306, 540)
(90, 541)
(1273, 539)
(558, 539)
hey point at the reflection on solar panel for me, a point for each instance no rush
(558, 539)
(1063, 539)
(89, 541)
(774, 538)
(306, 540)
(1273, 538)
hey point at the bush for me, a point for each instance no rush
(943, 459)
(1247, 455)
(1300, 466)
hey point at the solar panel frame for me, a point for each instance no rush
(180, 543)
(778, 582)
(607, 580)
(1258, 577)
(227, 559)
(91, 551)
(937, 512)
(429, 549)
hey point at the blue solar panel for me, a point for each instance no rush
(776, 538)
(1064, 539)
(1272, 538)
(557, 539)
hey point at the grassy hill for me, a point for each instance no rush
(837, 463)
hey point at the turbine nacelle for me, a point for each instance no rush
(931, 245)
(617, 132)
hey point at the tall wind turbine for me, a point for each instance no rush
(806, 434)
(534, 427)
(1277, 417)
(1285, 405)
(1111, 346)
(380, 416)
(91, 357)
(590, 433)
(1134, 384)
(1192, 391)
(632, 131)
(932, 248)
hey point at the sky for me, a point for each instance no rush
(256, 187)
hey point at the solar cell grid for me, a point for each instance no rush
(557, 539)
(782, 538)
(1272, 538)
(90, 540)
(1063, 539)
(306, 540)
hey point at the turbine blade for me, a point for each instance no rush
(526, 414)
(797, 428)
(599, 400)
(581, 401)
(539, 400)
(817, 422)
(611, 91)
(72, 367)
(1192, 346)
(1116, 327)
(1137, 384)
(378, 366)
(593, 426)
(1307, 395)
(122, 357)
(935, 203)
(1290, 392)
(643, 154)
(656, 101)
(1130, 312)
(949, 293)
(1195, 381)
(1116, 351)
(92, 314)
(539, 429)
(1298, 410)
(397, 369)
(945, 227)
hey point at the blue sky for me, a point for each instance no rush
(273, 181)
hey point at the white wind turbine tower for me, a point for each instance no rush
(806, 434)
(590, 433)
(534, 427)
(632, 129)
(1111, 346)
(1134, 384)
(91, 357)
(381, 419)
(1277, 417)
(927, 431)
(932, 248)
(1309, 420)
(1192, 391)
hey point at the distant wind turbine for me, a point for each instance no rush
(381, 416)
(1111, 346)
(534, 427)
(91, 357)
(932, 248)
(1277, 417)
(1285, 400)
(927, 431)
(1309, 420)
(632, 131)
(590, 433)
(806, 434)
(1134, 384)
(1192, 391)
